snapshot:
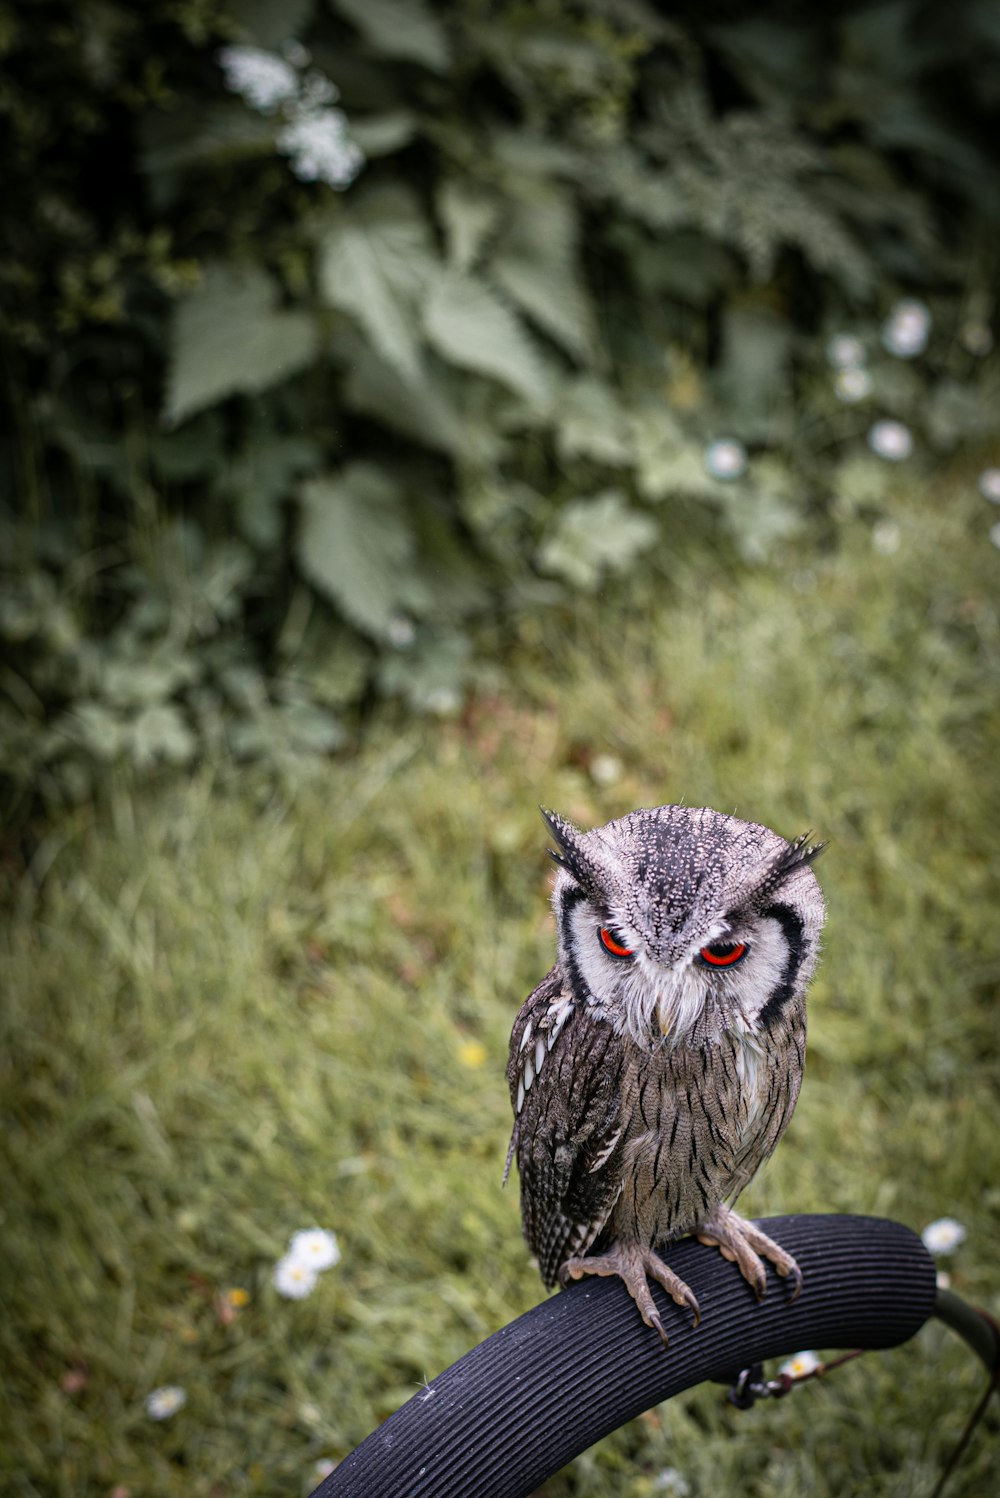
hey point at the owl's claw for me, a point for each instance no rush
(745, 1244)
(633, 1263)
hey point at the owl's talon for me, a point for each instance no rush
(690, 1300)
(795, 1274)
(741, 1240)
(653, 1320)
(632, 1264)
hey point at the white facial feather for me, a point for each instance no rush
(656, 1005)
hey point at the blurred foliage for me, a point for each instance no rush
(431, 318)
(234, 1007)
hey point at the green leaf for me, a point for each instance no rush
(752, 383)
(400, 28)
(381, 134)
(536, 266)
(471, 328)
(333, 665)
(765, 515)
(355, 545)
(468, 218)
(160, 732)
(96, 727)
(666, 462)
(595, 536)
(430, 678)
(552, 298)
(375, 265)
(260, 478)
(311, 729)
(229, 338)
(591, 424)
(421, 410)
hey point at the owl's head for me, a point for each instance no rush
(673, 914)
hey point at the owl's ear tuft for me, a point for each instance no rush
(573, 855)
(798, 854)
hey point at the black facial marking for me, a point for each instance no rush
(791, 925)
(570, 898)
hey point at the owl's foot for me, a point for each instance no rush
(741, 1242)
(632, 1263)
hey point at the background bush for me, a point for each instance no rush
(323, 359)
(452, 407)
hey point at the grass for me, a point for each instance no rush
(233, 1008)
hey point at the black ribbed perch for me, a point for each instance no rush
(538, 1392)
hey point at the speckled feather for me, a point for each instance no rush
(647, 1092)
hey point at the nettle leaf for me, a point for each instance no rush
(431, 678)
(595, 536)
(332, 666)
(666, 461)
(400, 28)
(311, 729)
(422, 411)
(260, 478)
(355, 545)
(536, 266)
(381, 134)
(468, 218)
(229, 338)
(161, 733)
(95, 727)
(471, 327)
(375, 265)
(762, 517)
(591, 424)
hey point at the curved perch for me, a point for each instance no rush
(523, 1403)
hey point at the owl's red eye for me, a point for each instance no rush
(612, 945)
(723, 953)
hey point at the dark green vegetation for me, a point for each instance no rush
(233, 1009)
(352, 505)
(262, 430)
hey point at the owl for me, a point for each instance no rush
(657, 1065)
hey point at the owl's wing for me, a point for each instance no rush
(564, 1071)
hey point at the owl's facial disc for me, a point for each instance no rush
(675, 914)
(653, 1002)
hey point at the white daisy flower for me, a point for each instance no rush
(314, 1247)
(891, 440)
(852, 385)
(844, 351)
(726, 459)
(799, 1366)
(260, 78)
(672, 1482)
(319, 149)
(943, 1235)
(605, 769)
(443, 701)
(989, 485)
(995, 534)
(164, 1402)
(907, 328)
(323, 1468)
(886, 537)
(401, 631)
(293, 1279)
